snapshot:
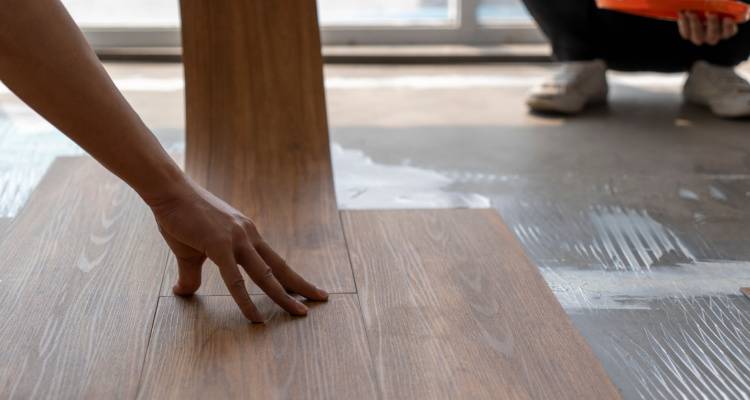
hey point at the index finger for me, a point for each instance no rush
(290, 279)
(263, 276)
(232, 278)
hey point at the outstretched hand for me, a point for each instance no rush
(195, 224)
(198, 225)
(711, 31)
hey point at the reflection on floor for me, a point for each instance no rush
(637, 214)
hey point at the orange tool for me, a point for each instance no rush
(669, 9)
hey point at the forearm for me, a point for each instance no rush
(45, 60)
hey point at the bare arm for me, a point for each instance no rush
(46, 61)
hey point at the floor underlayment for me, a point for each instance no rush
(636, 214)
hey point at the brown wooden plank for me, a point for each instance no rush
(454, 309)
(201, 349)
(257, 132)
(80, 272)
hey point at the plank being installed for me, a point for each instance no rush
(454, 309)
(80, 270)
(202, 349)
(257, 130)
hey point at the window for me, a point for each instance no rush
(492, 12)
(155, 23)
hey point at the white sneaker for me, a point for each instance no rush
(719, 88)
(570, 90)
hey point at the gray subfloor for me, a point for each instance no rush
(637, 214)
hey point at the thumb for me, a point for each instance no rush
(189, 266)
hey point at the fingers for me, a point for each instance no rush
(728, 28)
(189, 265)
(236, 285)
(697, 34)
(711, 32)
(189, 275)
(263, 276)
(287, 276)
(683, 25)
(713, 29)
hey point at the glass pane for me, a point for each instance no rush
(118, 13)
(501, 11)
(165, 13)
(387, 12)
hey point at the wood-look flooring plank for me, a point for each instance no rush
(201, 349)
(257, 131)
(454, 309)
(80, 271)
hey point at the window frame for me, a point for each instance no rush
(464, 30)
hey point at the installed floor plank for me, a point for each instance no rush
(80, 270)
(201, 349)
(454, 309)
(257, 131)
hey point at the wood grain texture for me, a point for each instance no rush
(200, 349)
(257, 131)
(80, 270)
(454, 309)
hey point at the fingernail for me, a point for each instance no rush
(322, 293)
(301, 308)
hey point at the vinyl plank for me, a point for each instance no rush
(257, 131)
(202, 349)
(80, 270)
(454, 309)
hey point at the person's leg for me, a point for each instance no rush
(568, 25)
(634, 43)
(729, 52)
(641, 44)
(581, 79)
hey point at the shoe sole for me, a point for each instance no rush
(550, 106)
(721, 112)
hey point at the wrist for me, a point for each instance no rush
(166, 184)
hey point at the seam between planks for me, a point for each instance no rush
(251, 294)
(374, 370)
(348, 253)
(151, 329)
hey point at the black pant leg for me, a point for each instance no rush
(568, 25)
(634, 43)
(644, 44)
(729, 52)
(578, 30)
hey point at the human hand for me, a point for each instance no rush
(198, 225)
(714, 29)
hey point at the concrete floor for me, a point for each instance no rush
(637, 213)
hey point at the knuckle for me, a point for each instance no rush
(265, 274)
(238, 231)
(248, 223)
(251, 229)
(238, 286)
